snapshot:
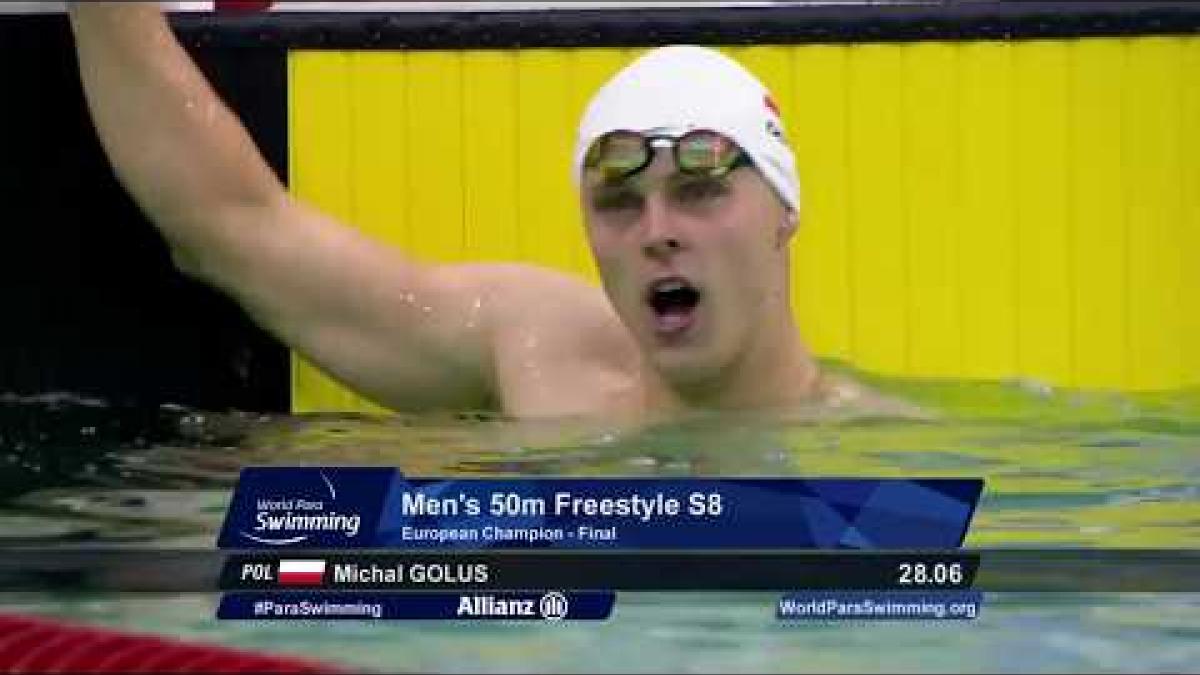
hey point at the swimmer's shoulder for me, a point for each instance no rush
(559, 348)
(561, 308)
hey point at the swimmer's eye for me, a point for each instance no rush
(698, 190)
(616, 198)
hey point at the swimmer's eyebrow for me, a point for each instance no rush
(636, 183)
(680, 178)
(685, 188)
(682, 187)
(621, 193)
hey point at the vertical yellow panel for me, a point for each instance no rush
(1040, 131)
(545, 137)
(322, 166)
(987, 255)
(435, 204)
(1152, 164)
(930, 184)
(1189, 234)
(1097, 211)
(820, 262)
(589, 70)
(490, 156)
(878, 246)
(321, 171)
(380, 186)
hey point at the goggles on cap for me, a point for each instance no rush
(617, 155)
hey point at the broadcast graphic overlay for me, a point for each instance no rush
(372, 544)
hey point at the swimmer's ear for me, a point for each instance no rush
(787, 227)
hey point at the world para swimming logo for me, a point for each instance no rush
(304, 513)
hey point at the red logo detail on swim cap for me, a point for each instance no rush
(770, 102)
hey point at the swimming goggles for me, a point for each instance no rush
(620, 154)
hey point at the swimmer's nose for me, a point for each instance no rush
(660, 235)
(662, 248)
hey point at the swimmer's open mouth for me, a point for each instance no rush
(674, 302)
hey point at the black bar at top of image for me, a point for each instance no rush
(783, 24)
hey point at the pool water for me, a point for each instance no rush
(1063, 469)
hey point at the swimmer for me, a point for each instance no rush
(690, 197)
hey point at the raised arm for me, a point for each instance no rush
(409, 335)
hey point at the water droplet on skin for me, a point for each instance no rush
(473, 318)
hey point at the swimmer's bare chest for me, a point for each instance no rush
(584, 388)
(560, 372)
(582, 362)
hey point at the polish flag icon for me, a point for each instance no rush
(301, 572)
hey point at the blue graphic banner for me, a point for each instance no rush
(510, 606)
(355, 508)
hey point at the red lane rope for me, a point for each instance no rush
(31, 644)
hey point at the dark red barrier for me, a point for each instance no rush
(242, 5)
(37, 645)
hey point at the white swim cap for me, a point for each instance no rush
(673, 90)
